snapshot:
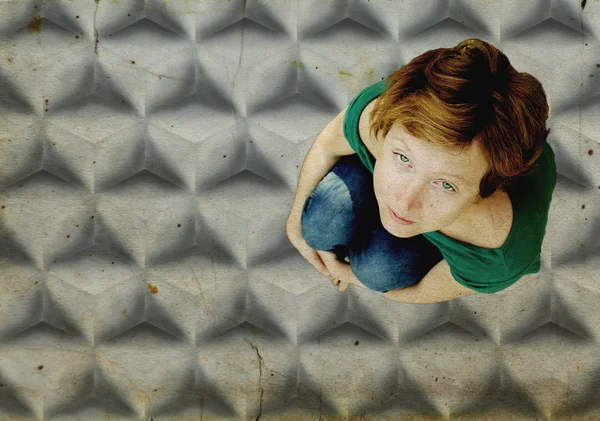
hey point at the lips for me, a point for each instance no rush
(407, 220)
(404, 219)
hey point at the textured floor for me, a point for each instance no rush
(149, 155)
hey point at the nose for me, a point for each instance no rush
(409, 200)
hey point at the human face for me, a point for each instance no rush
(433, 187)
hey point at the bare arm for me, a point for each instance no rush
(328, 147)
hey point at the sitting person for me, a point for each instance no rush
(443, 165)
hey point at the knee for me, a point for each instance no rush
(327, 216)
(310, 223)
(371, 277)
(383, 272)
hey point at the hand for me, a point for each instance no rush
(294, 233)
(341, 272)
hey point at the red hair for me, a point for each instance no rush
(470, 92)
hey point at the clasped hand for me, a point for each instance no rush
(340, 272)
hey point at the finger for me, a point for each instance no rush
(323, 264)
(326, 256)
(324, 271)
(322, 258)
(343, 286)
(329, 260)
(323, 267)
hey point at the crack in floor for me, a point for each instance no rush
(260, 364)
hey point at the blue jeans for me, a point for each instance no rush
(341, 215)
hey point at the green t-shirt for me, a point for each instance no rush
(482, 269)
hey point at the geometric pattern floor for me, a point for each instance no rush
(149, 156)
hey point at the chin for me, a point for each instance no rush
(398, 231)
(403, 235)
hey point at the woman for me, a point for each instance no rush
(445, 161)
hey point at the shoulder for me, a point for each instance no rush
(489, 226)
(372, 144)
(498, 222)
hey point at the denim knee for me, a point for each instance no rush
(382, 277)
(387, 262)
(327, 218)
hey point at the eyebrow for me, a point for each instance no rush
(452, 176)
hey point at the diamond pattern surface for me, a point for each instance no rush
(149, 155)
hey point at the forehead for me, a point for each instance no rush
(470, 163)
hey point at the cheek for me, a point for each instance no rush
(384, 171)
(387, 177)
(386, 181)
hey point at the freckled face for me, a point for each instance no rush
(436, 188)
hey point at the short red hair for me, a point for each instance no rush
(470, 92)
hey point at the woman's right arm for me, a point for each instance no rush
(326, 150)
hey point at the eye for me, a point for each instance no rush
(444, 183)
(449, 185)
